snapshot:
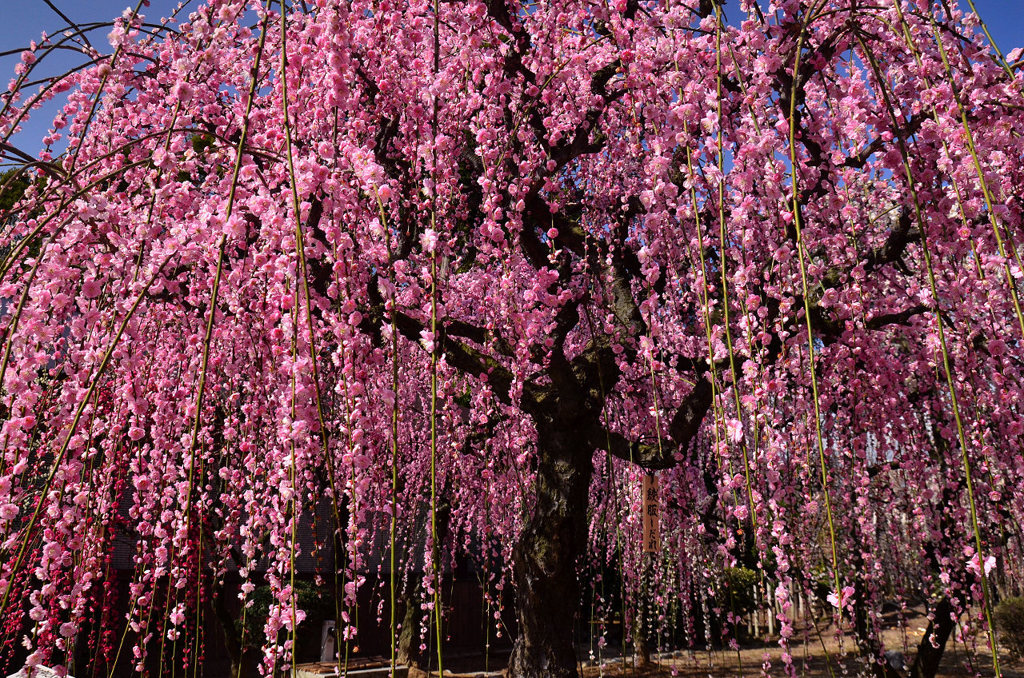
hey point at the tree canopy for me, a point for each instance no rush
(466, 271)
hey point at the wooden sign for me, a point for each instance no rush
(652, 514)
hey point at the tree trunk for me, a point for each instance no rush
(408, 651)
(926, 663)
(232, 639)
(641, 650)
(869, 646)
(547, 591)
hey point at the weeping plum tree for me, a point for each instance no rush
(465, 270)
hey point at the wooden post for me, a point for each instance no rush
(752, 616)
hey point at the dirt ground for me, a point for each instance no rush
(751, 660)
(822, 656)
(816, 654)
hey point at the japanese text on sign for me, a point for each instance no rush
(651, 515)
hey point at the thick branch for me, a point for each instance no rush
(461, 356)
(654, 455)
(860, 159)
(895, 244)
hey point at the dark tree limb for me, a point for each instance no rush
(683, 429)
(461, 356)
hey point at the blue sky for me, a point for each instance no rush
(24, 20)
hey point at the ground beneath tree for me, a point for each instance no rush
(813, 656)
(750, 662)
(816, 654)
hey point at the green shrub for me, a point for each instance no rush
(309, 598)
(1010, 621)
(12, 186)
(739, 583)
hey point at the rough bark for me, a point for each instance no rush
(547, 591)
(869, 645)
(929, 655)
(641, 649)
(408, 651)
(226, 620)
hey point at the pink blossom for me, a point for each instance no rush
(972, 565)
(91, 288)
(842, 598)
(182, 91)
